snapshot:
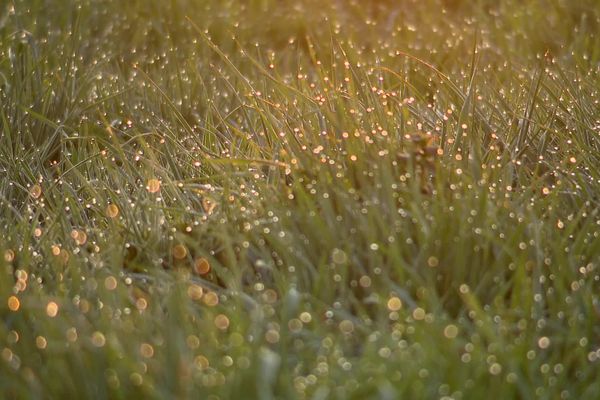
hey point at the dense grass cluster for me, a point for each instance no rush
(299, 199)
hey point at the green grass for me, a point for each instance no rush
(396, 199)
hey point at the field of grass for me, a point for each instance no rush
(320, 199)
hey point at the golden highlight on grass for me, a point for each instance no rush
(299, 199)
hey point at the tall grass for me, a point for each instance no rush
(277, 199)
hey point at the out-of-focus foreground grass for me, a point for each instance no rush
(299, 199)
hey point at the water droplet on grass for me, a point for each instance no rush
(451, 331)
(52, 309)
(201, 266)
(433, 261)
(98, 339)
(195, 292)
(543, 342)
(221, 322)
(110, 283)
(9, 256)
(153, 185)
(146, 350)
(346, 326)
(112, 211)
(208, 205)
(179, 252)
(339, 256)
(35, 191)
(14, 303)
(41, 342)
(211, 299)
(394, 304)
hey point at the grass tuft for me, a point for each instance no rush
(281, 199)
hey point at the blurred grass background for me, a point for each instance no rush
(299, 199)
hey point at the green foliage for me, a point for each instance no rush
(314, 199)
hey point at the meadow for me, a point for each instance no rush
(320, 199)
